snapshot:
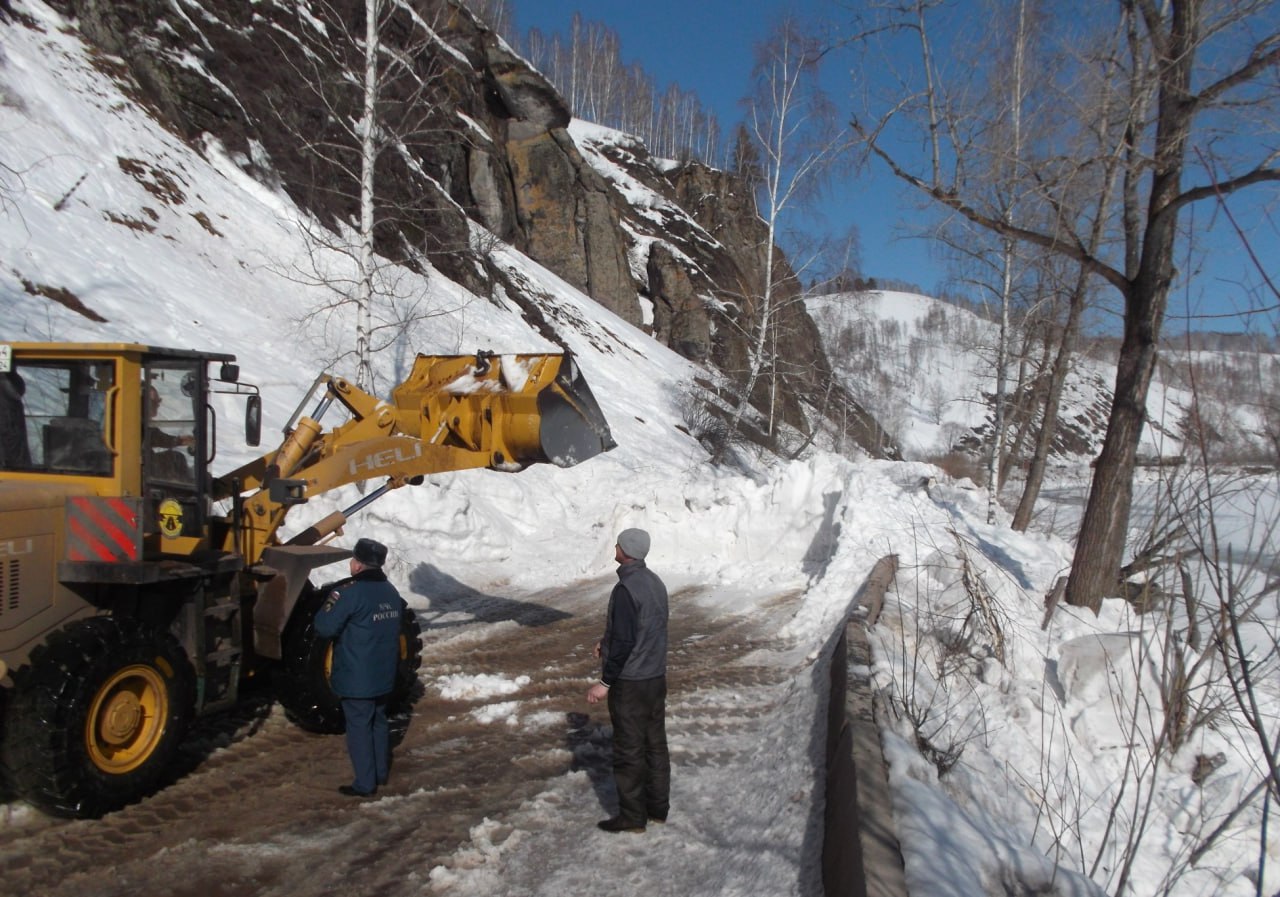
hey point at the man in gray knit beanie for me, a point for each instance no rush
(633, 678)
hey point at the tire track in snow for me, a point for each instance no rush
(257, 809)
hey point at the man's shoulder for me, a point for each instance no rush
(376, 591)
(638, 580)
(638, 569)
(335, 591)
(337, 585)
(389, 592)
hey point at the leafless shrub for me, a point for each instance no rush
(932, 734)
(706, 422)
(984, 614)
(927, 699)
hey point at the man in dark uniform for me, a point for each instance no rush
(633, 677)
(362, 615)
(15, 453)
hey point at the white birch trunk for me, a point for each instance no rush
(1006, 284)
(1002, 352)
(368, 156)
(756, 359)
(782, 84)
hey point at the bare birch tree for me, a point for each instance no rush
(367, 130)
(789, 121)
(1011, 45)
(369, 108)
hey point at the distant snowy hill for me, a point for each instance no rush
(926, 369)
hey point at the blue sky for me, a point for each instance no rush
(706, 46)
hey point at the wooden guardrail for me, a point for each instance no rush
(860, 853)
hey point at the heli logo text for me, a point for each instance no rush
(376, 461)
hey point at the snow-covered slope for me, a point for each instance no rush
(930, 367)
(926, 369)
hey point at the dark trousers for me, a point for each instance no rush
(641, 763)
(368, 741)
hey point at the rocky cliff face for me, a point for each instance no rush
(489, 142)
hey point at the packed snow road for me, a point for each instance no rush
(500, 720)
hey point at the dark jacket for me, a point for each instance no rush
(634, 646)
(363, 615)
(14, 451)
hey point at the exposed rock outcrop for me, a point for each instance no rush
(482, 136)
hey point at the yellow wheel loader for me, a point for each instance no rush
(138, 589)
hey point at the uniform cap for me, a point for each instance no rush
(370, 553)
(634, 543)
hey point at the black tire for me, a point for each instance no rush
(94, 720)
(407, 687)
(302, 682)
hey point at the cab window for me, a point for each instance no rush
(173, 459)
(169, 402)
(53, 417)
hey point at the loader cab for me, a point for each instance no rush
(117, 420)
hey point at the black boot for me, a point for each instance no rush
(618, 824)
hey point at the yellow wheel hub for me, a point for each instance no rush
(127, 719)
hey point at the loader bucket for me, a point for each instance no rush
(573, 427)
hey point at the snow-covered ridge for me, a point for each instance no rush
(926, 369)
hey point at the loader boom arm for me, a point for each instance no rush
(450, 413)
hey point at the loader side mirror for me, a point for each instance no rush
(253, 420)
